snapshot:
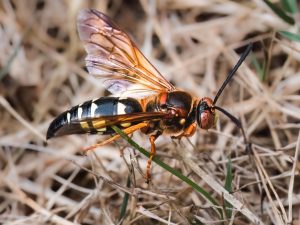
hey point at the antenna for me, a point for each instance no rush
(232, 72)
(236, 121)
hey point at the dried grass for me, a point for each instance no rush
(54, 183)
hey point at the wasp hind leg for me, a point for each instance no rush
(152, 139)
(127, 131)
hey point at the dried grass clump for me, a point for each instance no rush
(194, 44)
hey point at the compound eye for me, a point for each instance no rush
(207, 119)
(206, 114)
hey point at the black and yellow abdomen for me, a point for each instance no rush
(90, 117)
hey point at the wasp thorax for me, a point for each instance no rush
(206, 115)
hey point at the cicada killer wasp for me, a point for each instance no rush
(146, 100)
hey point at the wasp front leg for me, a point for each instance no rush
(188, 132)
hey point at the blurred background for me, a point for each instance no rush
(194, 44)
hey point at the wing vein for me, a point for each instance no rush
(114, 57)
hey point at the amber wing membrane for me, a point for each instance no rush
(113, 56)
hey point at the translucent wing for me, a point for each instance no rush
(113, 56)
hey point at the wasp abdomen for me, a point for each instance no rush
(90, 117)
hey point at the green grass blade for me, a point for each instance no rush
(125, 201)
(228, 187)
(290, 6)
(290, 36)
(170, 169)
(279, 12)
(5, 70)
(259, 68)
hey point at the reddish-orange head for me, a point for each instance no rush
(205, 113)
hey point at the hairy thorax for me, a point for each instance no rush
(179, 107)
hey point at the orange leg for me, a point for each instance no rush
(152, 139)
(127, 131)
(188, 132)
